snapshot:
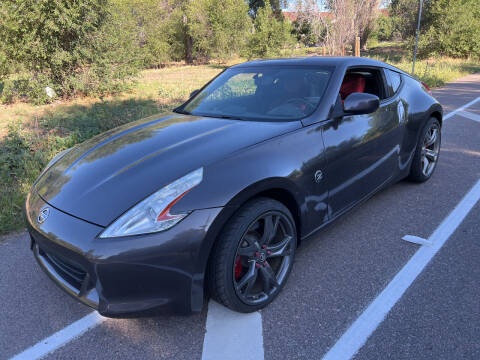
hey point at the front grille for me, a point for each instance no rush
(70, 273)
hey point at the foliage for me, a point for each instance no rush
(276, 5)
(383, 28)
(270, 36)
(157, 28)
(404, 14)
(218, 29)
(453, 29)
(303, 31)
(352, 18)
(310, 26)
(3, 65)
(23, 87)
(74, 47)
(448, 27)
(35, 134)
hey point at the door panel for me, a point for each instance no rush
(362, 155)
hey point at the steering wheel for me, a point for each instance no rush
(301, 103)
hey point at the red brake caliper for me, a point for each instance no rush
(238, 267)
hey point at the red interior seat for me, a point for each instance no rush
(352, 83)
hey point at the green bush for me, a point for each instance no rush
(3, 65)
(218, 29)
(448, 27)
(73, 47)
(24, 87)
(303, 31)
(27, 148)
(271, 35)
(156, 27)
(404, 15)
(453, 29)
(384, 28)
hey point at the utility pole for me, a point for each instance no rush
(418, 34)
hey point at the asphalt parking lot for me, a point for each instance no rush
(337, 275)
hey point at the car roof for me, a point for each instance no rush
(320, 60)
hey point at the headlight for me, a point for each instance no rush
(153, 213)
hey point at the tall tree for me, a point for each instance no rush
(366, 13)
(155, 28)
(350, 18)
(309, 25)
(405, 15)
(217, 28)
(271, 35)
(276, 5)
(451, 28)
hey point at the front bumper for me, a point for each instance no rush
(136, 275)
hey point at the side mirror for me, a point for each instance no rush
(360, 103)
(194, 92)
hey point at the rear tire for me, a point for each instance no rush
(427, 152)
(253, 256)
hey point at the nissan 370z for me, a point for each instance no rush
(215, 197)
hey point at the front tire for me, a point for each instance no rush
(426, 154)
(253, 256)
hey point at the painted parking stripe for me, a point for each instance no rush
(417, 240)
(60, 338)
(231, 335)
(358, 333)
(467, 105)
(470, 116)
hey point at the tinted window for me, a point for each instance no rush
(394, 80)
(363, 81)
(276, 93)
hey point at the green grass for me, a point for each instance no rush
(433, 72)
(436, 73)
(31, 135)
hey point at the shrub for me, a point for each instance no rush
(156, 27)
(448, 27)
(218, 29)
(73, 47)
(384, 28)
(270, 36)
(453, 29)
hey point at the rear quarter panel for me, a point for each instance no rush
(419, 107)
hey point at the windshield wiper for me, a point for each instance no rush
(183, 112)
(232, 117)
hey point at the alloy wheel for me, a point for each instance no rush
(264, 257)
(430, 150)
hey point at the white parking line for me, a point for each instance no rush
(231, 335)
(60, 338)
(467, 105)
(358, 333)
(470, 116)
(416, 240)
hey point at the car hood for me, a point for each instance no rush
(103, 177)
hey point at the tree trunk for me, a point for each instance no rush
(188, 49)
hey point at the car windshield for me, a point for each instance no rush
(261, 93)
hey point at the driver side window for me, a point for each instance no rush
(363, 80)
